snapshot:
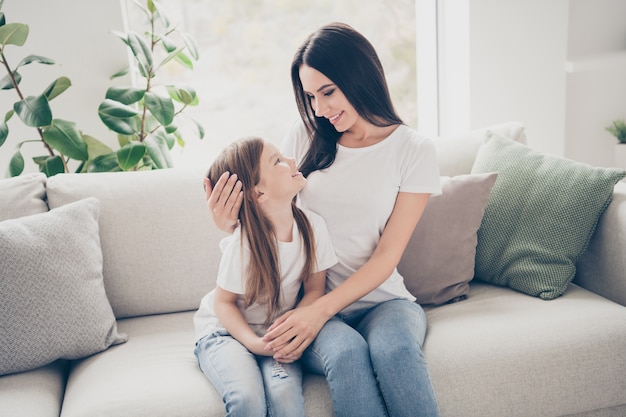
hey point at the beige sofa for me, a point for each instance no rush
(497, 353)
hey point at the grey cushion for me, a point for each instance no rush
(438, 262)
(52, 299)
(541, 214)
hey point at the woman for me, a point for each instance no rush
(370, 178)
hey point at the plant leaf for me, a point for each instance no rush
(16, 164)
(13, 34)
(184, 60)
(129, 155)
(113, 108)
(64, 137)
(4, 132)
(171, 56)
(36, 58)
(57, 87)
(34, 111)
(120, 73)
(157, 148)
(198, 126)
(140, 50)
(125, 95)
(168, 45)
(95, 148)
(190, 43)
(50, 165)
(7, 84)
(104, 163)
(183, 94)
(162, 108)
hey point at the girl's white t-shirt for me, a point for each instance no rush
(231, 276)
(357, 194)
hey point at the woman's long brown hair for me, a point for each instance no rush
(263, 275)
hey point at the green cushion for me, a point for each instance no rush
(541, 214)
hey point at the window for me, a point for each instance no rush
(246, 46)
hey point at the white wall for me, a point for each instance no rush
(519, 60)
(77, 35)
(510, 64)
(596, 81)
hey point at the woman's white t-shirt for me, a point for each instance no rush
(357, 194)
(231, 276)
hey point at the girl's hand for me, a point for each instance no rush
(224, 200)
(259, 347)
(293, 332)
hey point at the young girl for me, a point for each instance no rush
(277, 250)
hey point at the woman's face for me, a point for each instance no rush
(327, 100)
(279, 178)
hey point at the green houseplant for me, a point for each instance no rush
(60, 139)
(618, 129)
(146, 117)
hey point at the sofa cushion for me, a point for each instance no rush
(22, 196)
(52, 299)
(159, 243)
(155, 374)
(35, 393)
(542, 211)
(503, 353)
(438, 263)
(456, 153)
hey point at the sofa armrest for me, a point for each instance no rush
(602, 268)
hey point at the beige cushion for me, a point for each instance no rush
(438, 263)
(159, 243)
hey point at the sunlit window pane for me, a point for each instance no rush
(246, 47)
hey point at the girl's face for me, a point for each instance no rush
(280, 179)
(327, 100)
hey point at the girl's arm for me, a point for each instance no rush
(293, 332)
(225, 304)
(224, 201)
(313, 288)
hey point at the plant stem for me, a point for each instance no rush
(21, 96)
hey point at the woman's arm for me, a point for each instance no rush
(225, 304)
(293, 332)
(224, 200)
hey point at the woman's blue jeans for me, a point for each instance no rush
(250, 385)
(373, 362)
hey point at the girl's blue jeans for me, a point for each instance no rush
(250, 385)
(373, 362)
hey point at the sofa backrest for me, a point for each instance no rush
(456, 153)
(159, 244)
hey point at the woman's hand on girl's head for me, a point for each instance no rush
(224, 200)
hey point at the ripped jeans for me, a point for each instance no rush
(250, 385)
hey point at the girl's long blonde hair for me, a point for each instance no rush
(263, 275)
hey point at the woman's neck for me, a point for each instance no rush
(365, 134)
